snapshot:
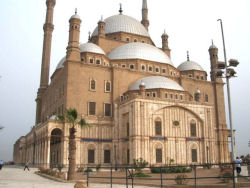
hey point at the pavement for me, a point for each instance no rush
(16, 177)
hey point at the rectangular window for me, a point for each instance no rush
(143, 68)
(123, 65)
(107, 86)
(158, 131)
(98, 62)
(127, 129)
(131, 66)
(163, 71)
(92, 107)
(148, 94)
(193, 129)
(166, 95)
(158, 153)
(194, 155)
(157, 69)
(91, 156)
(181, 97)
(106, 156)
(107, 109)
(128, 156)
(153, 94)
(176, 96)
(150, 69)
(91, 61)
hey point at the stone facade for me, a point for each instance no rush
(153, 123)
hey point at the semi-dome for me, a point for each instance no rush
(156, 82)
(123, 23)
(137, 50)
(189, 65)
(86, 47)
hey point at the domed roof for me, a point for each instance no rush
(137, 50)
(61, 63)
(156, 82)
(75, 16)
(189, 65)
(118, 23)
(91, 47)
(213, 47)
(86, 47)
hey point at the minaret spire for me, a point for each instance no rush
(120, 10)
(145, 20)
(48, 28)
(188, 56)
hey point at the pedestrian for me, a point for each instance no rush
(1, 165)
(238, 162)
(26, 166)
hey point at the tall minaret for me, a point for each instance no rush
(48, 28)
(165, 47)
(213, 53)
(144, 20)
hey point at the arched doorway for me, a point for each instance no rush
(55, 147)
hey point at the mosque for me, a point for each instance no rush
(137, 103)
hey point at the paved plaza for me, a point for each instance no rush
(15, 177)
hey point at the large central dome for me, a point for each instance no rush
(137, 50)
(123, 23)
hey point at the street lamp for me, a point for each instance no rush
(229, 73)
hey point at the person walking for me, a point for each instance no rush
(26, 166)
(1, 165)
(238, 162)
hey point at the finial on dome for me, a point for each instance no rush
(75, 11)
(188, 56)
(89, 36)
(120, 9)
(101, 18)
(212, 42)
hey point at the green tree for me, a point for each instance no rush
(71, 117)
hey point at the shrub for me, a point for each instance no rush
(207, 166)
(140, 164)
(60, 167)
(181, 179)
(88, 170)
(170, 170)
(98, 167)
(80, 169)
(226, 175)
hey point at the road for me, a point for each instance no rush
(15, 177)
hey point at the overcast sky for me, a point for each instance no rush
(190, 24)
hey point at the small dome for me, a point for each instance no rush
(123, 23)
(91, 47)
(137, 50)
(156, 82)
(87, 47)
(61, 63)
(189, 65)
(75, 16)
(213, 47)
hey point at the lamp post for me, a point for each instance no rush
(228, 74)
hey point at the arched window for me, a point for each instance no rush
(92, 85)
(206, 98)
(158, 129)
(193, 129)
(107, 86)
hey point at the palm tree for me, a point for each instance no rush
(71, 117)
